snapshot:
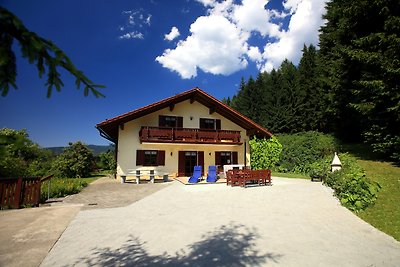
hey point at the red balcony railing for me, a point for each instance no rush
(188, 135)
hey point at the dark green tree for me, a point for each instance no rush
(227, 101)
(310, 82)
(39, 51)
(242, 101)
(282, 100)
(77, 160)
(360, 48)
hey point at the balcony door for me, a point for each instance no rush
(170, 121)
(187, 161)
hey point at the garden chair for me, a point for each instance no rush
(196, 175)
(212, 174)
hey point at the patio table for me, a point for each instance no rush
(138, 173)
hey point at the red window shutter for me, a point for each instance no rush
(218, 124)
(181, 163)
(180, 122)
(234, 157)
(200, 160)
(139, 157)
(217, 158)
(161, 158)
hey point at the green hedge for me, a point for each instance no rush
(301, 150)
(354, 190)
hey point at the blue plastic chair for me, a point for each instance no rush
(196, 175)
(212, 174)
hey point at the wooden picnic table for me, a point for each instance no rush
(243, 177)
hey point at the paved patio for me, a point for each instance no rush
(292, 223)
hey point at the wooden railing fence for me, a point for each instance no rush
(17, 192)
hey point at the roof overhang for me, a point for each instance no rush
(109, 128)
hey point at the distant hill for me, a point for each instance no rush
(95, 148)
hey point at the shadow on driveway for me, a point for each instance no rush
(231, 245)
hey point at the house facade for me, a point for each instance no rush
(176, 134)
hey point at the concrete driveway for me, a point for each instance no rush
(292, 223)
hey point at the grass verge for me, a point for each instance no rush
(290, 175)
(385, 213)
(61, 187)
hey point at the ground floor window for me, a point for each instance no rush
(150, 157)
(225, 158)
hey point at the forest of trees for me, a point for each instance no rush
(349, 87)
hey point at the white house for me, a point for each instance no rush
(179, 132)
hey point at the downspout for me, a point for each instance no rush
(245, 152)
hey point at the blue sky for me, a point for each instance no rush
(145, 51)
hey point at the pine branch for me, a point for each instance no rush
(39, 51)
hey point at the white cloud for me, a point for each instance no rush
(207, 2)
(174, 33)
(291, 5)
(219, 43)
(303, 29)
(148, 19)
(215, 46)
(135, 23)
(251, 15)
(131, 35)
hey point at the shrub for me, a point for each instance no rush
(351, 186)
(301, 150)
(77, 160)
(264, 153)
(19, 156)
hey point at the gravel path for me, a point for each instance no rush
(108, 193)
(292, 223)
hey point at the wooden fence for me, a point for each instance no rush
(17, 192)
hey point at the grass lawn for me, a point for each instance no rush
(385, 214)
(290, 175)
(61, 187)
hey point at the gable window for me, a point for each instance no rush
(212, 124)
(170, 121)
(150, 157)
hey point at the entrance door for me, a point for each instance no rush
(190, 162)
(187, 161)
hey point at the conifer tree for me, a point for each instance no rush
(360, 48)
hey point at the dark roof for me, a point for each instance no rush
(109, 128)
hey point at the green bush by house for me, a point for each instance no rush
(264, 153)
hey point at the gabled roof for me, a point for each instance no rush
(109, 128)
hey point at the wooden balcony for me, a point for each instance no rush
(188, 135)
